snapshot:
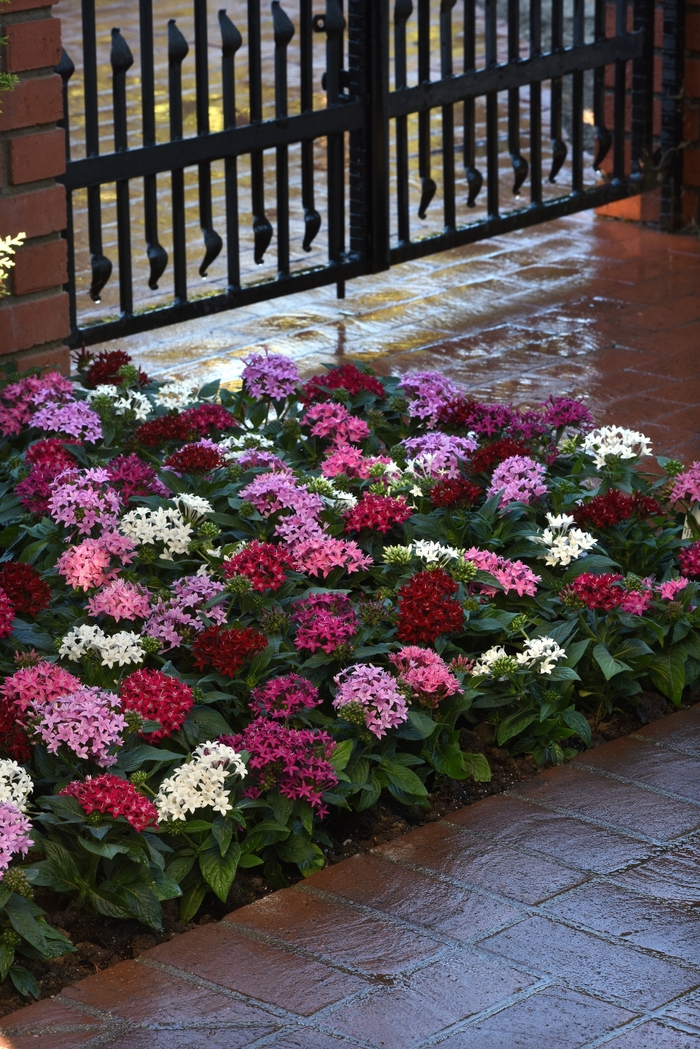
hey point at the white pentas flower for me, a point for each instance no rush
(192, 506)
(232, 447)
(433, 553)
(15, 784)
(615, 441)
(541, 654)
(564, 543)
(122, 648)
(176, 394)
(165, 525)
(123, 401)
(495, 662)
(200, 783)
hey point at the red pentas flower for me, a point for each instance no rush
(157, 697)
(227, 649)
(194, 459)
(7, 614)
(114, 797)
(491, 455)
(104, 370)
(427, 607)
(293, 761)
(379, 512)
(346, 377)
(605, 511)
(457, 492)
(185, 426)
(598, 591)
(50, 452)
(207, 417)
(689, 560)
(14, 741)
(264, 564)
(25, 588)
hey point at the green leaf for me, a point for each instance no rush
(20, 913)
(448, 760)
(514, 725)
(7, 957)
(607, 663)
(143, 904)
(30, 634)
(209, 724)
(476, 766)
(210, 389)
(180, 867)
(249, 859)
(307, 856)
(102, 848)
(24, 981)
(192, 901)
(418, 726)
(219, 871)
(668, 674)
(403, 778)
(341, 755)
(222, 829)
(575, 720)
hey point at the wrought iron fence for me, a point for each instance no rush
(397, 78)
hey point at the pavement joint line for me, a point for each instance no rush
(657, 1014)
(24, 1029)
(617, 828)
(79, 1007)
(642, 786)
(662, 744)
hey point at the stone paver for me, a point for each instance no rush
(560, 916)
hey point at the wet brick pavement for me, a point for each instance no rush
(560, 916)
(582, 306)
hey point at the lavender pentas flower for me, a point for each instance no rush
(87, 720)
(177, 617)
(438, 454)
(427, 393)
(518, 479)
(84, 500)
(15, 834)
(369, 695)
(76, 419)
(270, 375)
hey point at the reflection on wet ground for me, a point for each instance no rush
(581, 306)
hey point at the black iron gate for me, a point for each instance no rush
(371, 155)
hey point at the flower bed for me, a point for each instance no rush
(224, 614)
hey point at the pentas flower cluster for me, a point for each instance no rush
(83, 500)
(87, 721)
(165, 526)
(458, 493)
(518, 479)
(47, 459)
(131, 476)
(511, 575)
(199, 458)
(325, 621)
(616, 442)
(336, 423)
(379, 513)
(95, 562)
(292, 761)
(26, 590)
(120, 600)
(15, 834)
(227, 649)
(564, 544)
(285, 697)
(20, 400)
(320, 554)
(178, 616)
(15, 784)
(76, 419)
(201, 783)
(541, 654)
(427, 607)
(490, 455)
(425, 674)
(369, 696)
(689, 560)
(118, 649)
(270, 376)
(351, 462)
(347, 377)
(610, 509)
(202, 421)
(687, 486)
(113, 797)
(427, 393)
(438, 455)
(157, 697)
(105, 367)
(263, 564)
(7, 614)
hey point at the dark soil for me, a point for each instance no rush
(101, 942)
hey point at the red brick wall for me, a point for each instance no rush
(648, 206)
(34, 318)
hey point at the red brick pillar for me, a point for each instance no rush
(34, 318)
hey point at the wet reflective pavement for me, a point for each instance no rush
(581, 306)
(560, 916)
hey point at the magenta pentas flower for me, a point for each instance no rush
(426, 675)
(325, 621)
(558, 412)
(88, 721)
(292, 761)
(689, 560)
(270, 375)
(334, 421)
(687, 486)
(95, 562)
(15, 834)
(120, 600)
(85, 500)
(350, 461)
(284, 697)
(427, 393)
(76, 419)
(512, 575)
(177, 618)
(37, 685)
(280, 491)
(7, 614)
(20, 400)
(438, 454)
(319, 555)
(373, 692)
(518, 479)
(130, 475)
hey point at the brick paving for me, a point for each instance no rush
(562, 915)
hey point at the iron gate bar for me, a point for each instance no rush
(559, 147)
(475, 179)
(603, 136)
(212, 241)
(178, 50)
(577, 106)
(157, 255)
(448, 120)
(428, 186)
(402, 12)
(536, 105)
(231, 41)
(312, 219)
(520, 165)
(100, 265)
(122, 60)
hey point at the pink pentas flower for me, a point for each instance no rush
(671, 587)
(636, 602)
(20, 399)
(120, 600)
(332, 420)
(325, 621)
(350, 461)
(276, 491)
(518, 479)
(76, 419)
(88, 721)
(7, 614)
(319, 555)
(373, 693)
(15, 834)
(115, 797)
(687, 485)
(438, 454)
(37, 685)
(270, 375)
(426, 674)
(294, 529)
(512, 575)
(284, 697)
(84, 500)
(427, 393)
(95, 562)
